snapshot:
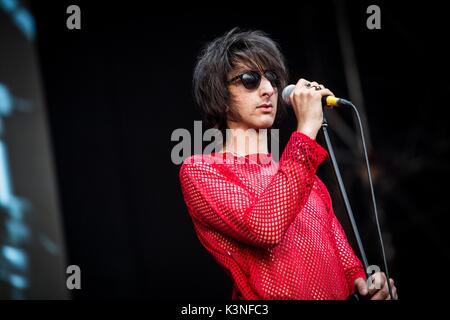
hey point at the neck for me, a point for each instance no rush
(243, 141)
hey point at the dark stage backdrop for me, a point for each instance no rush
(116, 90)
(32, 249)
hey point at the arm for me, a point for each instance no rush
(353, 267)
(227, 206)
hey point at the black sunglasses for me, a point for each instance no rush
(252, 79)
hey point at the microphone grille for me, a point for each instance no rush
(286, 93)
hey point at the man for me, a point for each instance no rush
(269, 224)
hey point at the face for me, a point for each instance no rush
(256, 107)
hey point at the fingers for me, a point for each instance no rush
(380, 281)
(376, 287)
(382, 294)
(326, 92)
(301, 83)
(394, 290)
(361, 286)
(306, 102)
(376, 282)
(300, 89)
(323, 91)
(315, 86)
(312, 86)
(303, 92)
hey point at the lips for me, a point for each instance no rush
(265, 107)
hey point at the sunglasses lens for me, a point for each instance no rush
(272, 77)
(251, 80)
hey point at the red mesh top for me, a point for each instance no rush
(271, 225)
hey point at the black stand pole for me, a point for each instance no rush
(344, 194)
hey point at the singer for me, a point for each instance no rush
(269, 224)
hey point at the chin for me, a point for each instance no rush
(265, 124)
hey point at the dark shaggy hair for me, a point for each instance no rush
(219, 58)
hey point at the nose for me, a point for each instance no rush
(266, 88)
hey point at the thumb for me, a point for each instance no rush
(361, 286)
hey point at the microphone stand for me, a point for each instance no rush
(337, 174)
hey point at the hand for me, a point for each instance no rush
(378, 281)
(306, 100)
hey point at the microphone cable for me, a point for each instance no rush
(373, 197)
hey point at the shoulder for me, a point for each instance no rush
(201, 160)
(199, 163)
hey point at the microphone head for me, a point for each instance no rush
(327, 101)
(286, 93)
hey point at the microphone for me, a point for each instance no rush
(327, 101)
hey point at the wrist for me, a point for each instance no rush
(308, 131)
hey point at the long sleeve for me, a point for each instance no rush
(353, 267)
(219, 200)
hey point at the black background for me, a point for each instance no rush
(117, 88)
